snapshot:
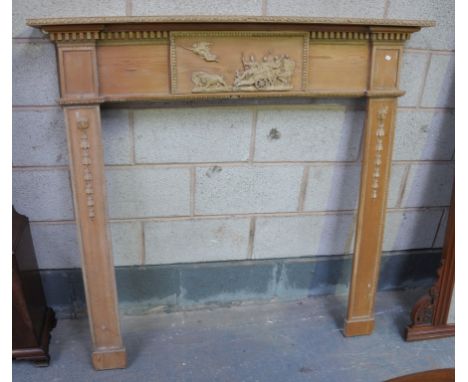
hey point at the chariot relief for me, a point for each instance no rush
(272, 73)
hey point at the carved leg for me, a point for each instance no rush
(87, 172)
(371, 215)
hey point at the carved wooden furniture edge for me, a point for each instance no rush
(430, 313)
(158, 27)
(437, 375)
(42, 22)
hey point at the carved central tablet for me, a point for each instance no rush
(219, 62)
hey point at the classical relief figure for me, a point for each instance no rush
(272, 73)
(208, 82)
(202, 49)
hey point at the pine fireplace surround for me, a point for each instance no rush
(144, 59)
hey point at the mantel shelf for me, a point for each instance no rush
(243, 20)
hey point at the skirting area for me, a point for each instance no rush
(280, 341)
(179, 286)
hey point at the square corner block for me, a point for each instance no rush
(56, 245)
(192, 135)
(439, 88)
(194, 241)
(43, 194)
(127, 243)
(429, 185)
(148, 192)
(39, 137)
(412, 76)
(247, 189)
(35, 80)
(413, 229)
(24, 9)
(117, 136)
(440, 37)
(298, 236)
(424, 135)
(330, 8)
(308, 133)
(196, 7)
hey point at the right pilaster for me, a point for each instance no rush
(375, 174)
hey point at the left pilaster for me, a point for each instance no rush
(79, 92)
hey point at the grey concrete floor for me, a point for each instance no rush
(275, 341)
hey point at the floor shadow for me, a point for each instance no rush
(406, 301)
(336, 306)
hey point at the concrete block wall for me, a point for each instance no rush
(201, 184)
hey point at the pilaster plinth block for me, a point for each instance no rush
(358, 327)
(109, 359)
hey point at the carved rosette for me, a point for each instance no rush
(83, 125)
(379, 147)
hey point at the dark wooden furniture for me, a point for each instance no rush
(32, 319)
(439, 375)
(430, 313)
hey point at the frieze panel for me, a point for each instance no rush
(220, 62)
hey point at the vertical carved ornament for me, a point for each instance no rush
(429, 317)
(379, 147)
(83, 125)
(423, 310)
